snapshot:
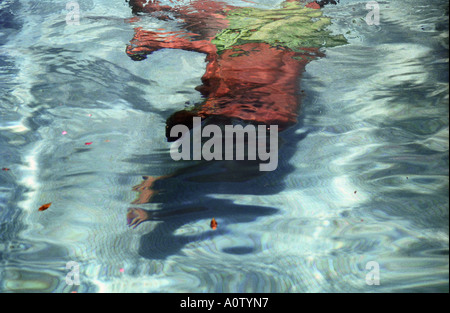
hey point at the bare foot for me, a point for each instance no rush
(145, 189)
(136, 216)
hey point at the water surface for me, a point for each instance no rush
(363, 175)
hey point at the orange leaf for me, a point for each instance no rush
(213, 223)
(45, 206)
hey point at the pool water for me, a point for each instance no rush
(362, 177)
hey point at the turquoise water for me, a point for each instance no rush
(362, 177)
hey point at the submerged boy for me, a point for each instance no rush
(255, 61)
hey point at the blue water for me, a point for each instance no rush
(362, 177)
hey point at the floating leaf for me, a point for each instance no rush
(213, 223)
(45, 206)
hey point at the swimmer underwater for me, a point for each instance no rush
(255, 59)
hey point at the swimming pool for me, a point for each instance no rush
(361, 183)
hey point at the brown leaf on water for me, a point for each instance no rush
(213, 223)
(45, 206)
